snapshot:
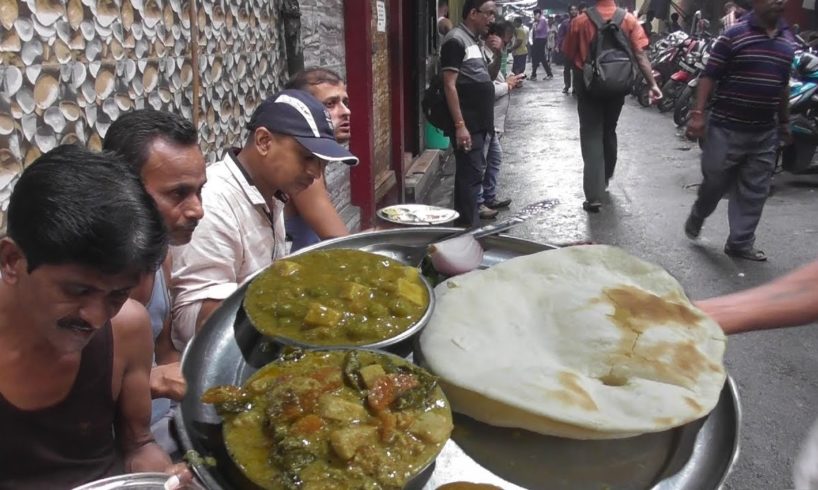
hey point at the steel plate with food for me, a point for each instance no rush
(334, 419)
(552, 376)
(338, 298)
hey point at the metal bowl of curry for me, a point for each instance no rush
(339, 297)
(334, 419)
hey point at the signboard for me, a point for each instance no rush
(381, 8)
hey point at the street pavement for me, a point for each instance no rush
(649, 198)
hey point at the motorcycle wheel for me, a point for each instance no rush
(643, 95)
(682, 106)
(669, 93)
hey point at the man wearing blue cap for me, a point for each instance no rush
(291, 139)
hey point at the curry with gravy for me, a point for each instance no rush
(336, 297)
(334, 419)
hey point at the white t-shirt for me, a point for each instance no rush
(238, 236)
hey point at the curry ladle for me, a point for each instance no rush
(413, 255)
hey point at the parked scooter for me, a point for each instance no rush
(797, 158)
(687, 71)
(687, 99)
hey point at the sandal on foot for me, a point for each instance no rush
(753, 254)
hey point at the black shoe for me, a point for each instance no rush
(565, 90)
(693, 227)
(533, 76)
(751, 253)
(497, 203)
(591, 207)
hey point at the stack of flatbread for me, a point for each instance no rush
(584, 342)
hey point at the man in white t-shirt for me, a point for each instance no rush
(291, 139)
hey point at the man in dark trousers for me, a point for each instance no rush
(539, 35)
(748, 74)
(468, 81)
(598, 117)
(562, 32)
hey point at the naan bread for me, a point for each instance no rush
(585, 342)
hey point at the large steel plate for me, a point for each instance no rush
(697, 456)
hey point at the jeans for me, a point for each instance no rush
(566, 73)
(494, 158)
(518, 65)
(301, 233)
(468, 179)
(538, 56)
(741, 163)
(597, 135)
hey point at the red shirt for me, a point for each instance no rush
(582, 31)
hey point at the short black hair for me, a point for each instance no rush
(582, 6)
(572, 6)
(674, 16)
(470, 5)
(132, 134)
(500, 28)
(313, 76)
(518, 21)
(537, 11)
(75, 206)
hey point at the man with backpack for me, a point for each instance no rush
(603, 44)
(468, 84)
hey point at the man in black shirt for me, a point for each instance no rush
(468, 83)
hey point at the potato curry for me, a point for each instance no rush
(336, 297)
(337, 419)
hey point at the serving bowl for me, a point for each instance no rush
(333, 418)
(338, 298)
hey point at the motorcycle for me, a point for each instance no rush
(664, 63)
(687, 99)
(797, 158)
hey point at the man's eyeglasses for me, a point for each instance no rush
(490, 13)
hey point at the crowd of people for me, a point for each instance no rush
(112, 261)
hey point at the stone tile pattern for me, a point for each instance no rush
(68, 68)
(322, 35)
(381, 95)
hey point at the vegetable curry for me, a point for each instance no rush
(338, 419)
(336, 297)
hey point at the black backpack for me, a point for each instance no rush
(610, 69)
(434, 106)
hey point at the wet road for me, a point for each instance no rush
(649, 197)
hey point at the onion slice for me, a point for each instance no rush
(456, 255)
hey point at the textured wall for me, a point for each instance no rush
(381, 94)
(68, 68)
(322, 33)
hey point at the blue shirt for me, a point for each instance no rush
(752, 70)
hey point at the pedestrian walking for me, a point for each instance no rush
(748, 74)
(599, 110)
(562, 32)
(468, 84)
(539, 31)
(488, 200)
(551, 42)
(519, 50)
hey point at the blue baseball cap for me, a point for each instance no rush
(298, 114)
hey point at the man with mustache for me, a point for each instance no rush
(310, 215)
(163, 149)
(74, 391)
(291, 139)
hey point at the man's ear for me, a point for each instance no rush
(263, 139)
(12, 260)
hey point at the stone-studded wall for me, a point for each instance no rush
(382, 102)
(68, 68)
(322, 34)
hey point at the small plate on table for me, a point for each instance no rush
(417, 214)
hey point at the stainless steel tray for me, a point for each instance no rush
(697, 456)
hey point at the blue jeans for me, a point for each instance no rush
(494, 157)
(301, 233)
